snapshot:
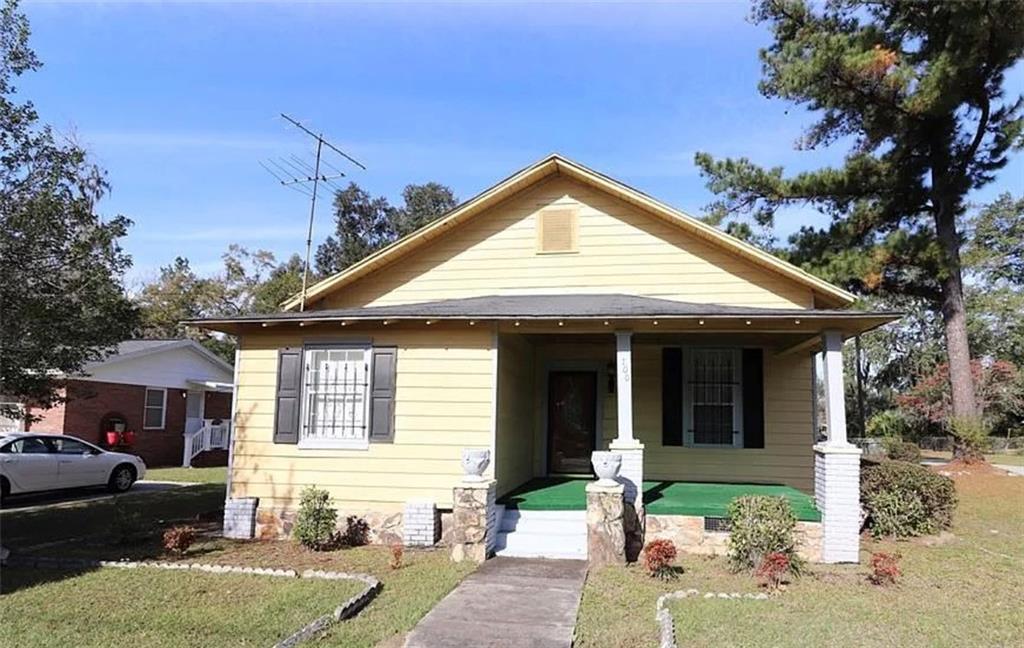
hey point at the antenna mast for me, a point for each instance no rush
(307, 174)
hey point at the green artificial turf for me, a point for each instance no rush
(660, 497)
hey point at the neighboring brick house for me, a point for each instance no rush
(162, 390)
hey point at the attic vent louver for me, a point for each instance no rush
(557, 230)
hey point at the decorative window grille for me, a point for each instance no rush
(336, 396)
(714, 397)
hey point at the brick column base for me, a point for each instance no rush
(419, 523)
(240, 518)
(837, 494)
(606, 528)
(474, 516)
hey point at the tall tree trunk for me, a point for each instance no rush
(954, 317)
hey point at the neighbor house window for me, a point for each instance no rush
(713, 397)
(155, 413)
(335, 392)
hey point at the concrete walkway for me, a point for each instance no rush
(507, 602)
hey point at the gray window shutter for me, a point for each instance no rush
(671, 396)
(382, 395)
(289, 395)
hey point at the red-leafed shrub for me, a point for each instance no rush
(178, 539)
(397, 551)
(885, 568)
(773, 570)
(658, 558)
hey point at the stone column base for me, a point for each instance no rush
(606, 528)
(473, 521)
(631, 476)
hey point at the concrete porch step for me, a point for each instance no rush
(542, 534)
(523, 545)
(560, 522)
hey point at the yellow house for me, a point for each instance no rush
(557, 313)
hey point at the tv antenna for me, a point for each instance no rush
(297, 174)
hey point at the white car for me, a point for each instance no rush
(40, 462)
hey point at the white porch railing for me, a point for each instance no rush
(210, 436)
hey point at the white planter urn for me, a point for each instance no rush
(474, 463)
(606, 465)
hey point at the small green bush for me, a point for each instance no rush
(891, 424)
(971, 433)
(316, 520)
(899, 450)
(905, 499)
(761, 525)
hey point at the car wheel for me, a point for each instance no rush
(121, 479)
(5, 488)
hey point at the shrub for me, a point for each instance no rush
(971, 434)
(316, 520)
(885, 568)
(761, 525)
(903, 499)
(658, 558)
(899, 450)
(178, 539)
(890, 424)
(357, 532)
(772, 570)
(397, 551)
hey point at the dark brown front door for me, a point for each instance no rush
(572, 420)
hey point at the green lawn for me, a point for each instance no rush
(963, 589)
(99, 517)
(216, 475)
(104, 607)
(148, 607)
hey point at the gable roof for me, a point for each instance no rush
(132, 349)
(555, 164)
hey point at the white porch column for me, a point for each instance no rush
(632, 473)
(837, 465)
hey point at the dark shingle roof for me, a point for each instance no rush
(506, 307)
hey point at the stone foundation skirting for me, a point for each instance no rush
(386, 528)
(687, 533)
(345, 610)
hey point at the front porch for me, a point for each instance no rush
(701, 499)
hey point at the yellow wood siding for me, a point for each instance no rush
(620, 250)
(443, 403)
(514, 442)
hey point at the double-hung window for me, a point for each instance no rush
(335, 397)
(155, 410)
(713, 397)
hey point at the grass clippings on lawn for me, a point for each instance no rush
(165, 609)
(963, 590)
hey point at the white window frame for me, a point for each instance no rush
(689, 401)
(146, 407)
(306, 442)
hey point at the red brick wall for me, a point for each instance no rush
(50, 420)
(90, 402)
(218, 405)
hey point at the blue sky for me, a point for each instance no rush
(180, 103)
